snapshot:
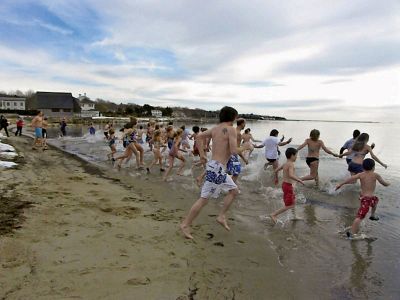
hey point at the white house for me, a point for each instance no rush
(12, 102)
(86, 103)
(156, 113)
(87, 107)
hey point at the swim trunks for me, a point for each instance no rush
(366, 203)
(348, 160)
(271, 160)
(309, 160)
(355, 168)
(111, 142)
(38, 132)
(170, 143)
(216, 180)
(288, 194)
(233, 166)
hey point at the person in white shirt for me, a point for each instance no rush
(271, 145)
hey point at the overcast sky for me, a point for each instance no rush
(335, 60)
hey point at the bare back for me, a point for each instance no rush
(224, 140)
(246, 137)
(368, 183)
(288, 171)
(314, 147)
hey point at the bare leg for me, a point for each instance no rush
(193, 213)
(136, 152)
(313, 171)
(221, 219)
(126, 154)
(279, 211)
(356, 226)
(170, 165)
(373, 217)
(182, 165)
(141, 154)
(275, 165)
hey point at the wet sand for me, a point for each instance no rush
(89, 233)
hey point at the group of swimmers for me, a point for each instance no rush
(229, 146)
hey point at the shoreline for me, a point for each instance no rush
(92, 233)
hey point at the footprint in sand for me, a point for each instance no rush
(209, 236)
(219, 244)
(129, 212)
(138, 281)
(162, 215)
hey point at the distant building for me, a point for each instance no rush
(156, 113)
(86, 103)
(56, 104)
(178, 114)
(12, 102)
(87, 107)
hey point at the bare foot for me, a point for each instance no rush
(274, 219)
(186, 232)
(179, 174)
(222, 221)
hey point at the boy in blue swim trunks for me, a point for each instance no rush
(224, 141)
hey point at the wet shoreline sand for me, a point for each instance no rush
(90, 233)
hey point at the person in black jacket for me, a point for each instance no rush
(4, 124)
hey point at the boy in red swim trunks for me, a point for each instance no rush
(287, 185)
(368, 180)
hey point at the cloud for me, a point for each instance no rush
(261, 56)
(52, 27)
(355, 57)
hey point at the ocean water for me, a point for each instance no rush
(313, 247)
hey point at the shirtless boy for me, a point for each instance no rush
(224, 141)
(368, 180)
(289, 178)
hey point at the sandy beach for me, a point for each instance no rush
(76, 231)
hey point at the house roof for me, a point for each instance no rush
(50, 100)
(12, 97)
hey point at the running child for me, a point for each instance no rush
(272, 153)
(247, 139)
(368, 180)
(185, 138)
(111, 143)
(157, 144)
(358, 152)
(314, 146)
(92, 130)
(289, 178)
(174, 153)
